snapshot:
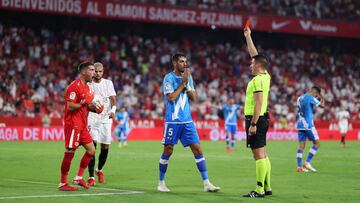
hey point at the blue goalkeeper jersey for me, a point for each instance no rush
(178, 111)
(306, 104)
(230, 115)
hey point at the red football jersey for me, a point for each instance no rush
(74, 93)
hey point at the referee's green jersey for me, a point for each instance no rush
(259, 83)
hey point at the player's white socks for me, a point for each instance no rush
(78, 178)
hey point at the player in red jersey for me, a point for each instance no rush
(78, 104)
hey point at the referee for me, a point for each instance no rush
(257, 119)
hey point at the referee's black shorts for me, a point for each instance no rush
(259, 139)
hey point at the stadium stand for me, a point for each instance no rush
(332, 10)
(37, 63)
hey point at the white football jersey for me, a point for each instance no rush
(104, 89)
(343, 117)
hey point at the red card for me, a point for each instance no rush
(247, 24)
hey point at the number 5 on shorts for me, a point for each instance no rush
(170, 131)
(168, 135)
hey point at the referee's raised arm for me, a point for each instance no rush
(249, 42)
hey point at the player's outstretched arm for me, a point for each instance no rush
(249, 42)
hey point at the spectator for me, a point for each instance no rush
(29, 86)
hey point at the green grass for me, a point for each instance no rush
(136, 168)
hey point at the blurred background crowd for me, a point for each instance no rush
(38, 60)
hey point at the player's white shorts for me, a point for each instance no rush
(343, 128)
(101, 133)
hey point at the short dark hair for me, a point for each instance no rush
(176, 56)
(262, 60)
(317, 89)
(84, 65)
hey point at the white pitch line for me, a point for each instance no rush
(71, 195)
(95, 188)
(119, 192)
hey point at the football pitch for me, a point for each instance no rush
(30, 171)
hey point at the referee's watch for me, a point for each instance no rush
(253, 124)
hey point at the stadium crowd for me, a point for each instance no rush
(323, 9)
(37, 65)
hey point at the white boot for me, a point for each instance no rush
(309, 167)
(162, 187)
(209, 187)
